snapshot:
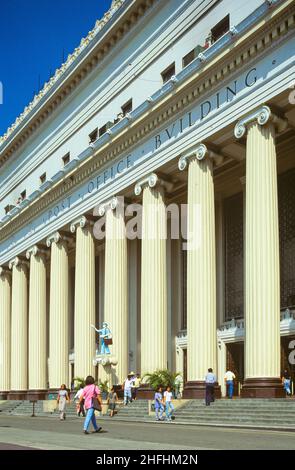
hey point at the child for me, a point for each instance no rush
(79, 402)
(112, 398)
(168, 403)
(159, 404)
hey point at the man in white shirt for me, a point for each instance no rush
(169, 408)
(127, 389)
(229, 380)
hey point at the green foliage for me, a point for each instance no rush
(104, 388)
(78, 381)
(162, 378)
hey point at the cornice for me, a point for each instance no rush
(64, 81)
(203, 82)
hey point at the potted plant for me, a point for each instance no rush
(164, 377)
(104, 389)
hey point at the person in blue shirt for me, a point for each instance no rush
(210, 380)
(159, 404)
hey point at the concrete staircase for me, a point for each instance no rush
(259, 413)
(265, 413)
(6, 407)
(138, 410)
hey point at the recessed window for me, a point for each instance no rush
(168, 73)
(66, 159)
(23, 194)
(188, 58)
(220, 28)
(7, 209)
(42, 179)
(93, 136)
(104, 128)
(127, 107)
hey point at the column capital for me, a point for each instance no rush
(262, 116)
(199, 152)
(4, 271)
(36, 251)
(82, 222)
(112, 204)
(18, 261)
(57, 237)
(152, 180)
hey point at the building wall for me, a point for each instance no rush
(165, 35)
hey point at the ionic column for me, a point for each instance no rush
(5, 340)
(262, 316)
(84, 339)
(116, 286)
(153, 275)
(59, 312)
(201, 269)
(19, 329)
(37, 324)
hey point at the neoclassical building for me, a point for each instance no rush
(181, 114)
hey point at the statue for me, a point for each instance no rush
(105, 336)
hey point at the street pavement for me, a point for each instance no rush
(48, 433)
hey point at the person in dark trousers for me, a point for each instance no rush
(210, 381)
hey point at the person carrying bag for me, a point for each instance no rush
(91, 395)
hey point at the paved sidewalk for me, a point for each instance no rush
(46, 433)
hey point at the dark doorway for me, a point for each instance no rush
(285, 362)
(184, 366)
(235, 363)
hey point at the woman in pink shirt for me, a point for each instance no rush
(90, 391)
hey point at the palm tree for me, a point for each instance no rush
(164, 378)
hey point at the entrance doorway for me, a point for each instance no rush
(285, 363)
(184, 366)
(235, 363)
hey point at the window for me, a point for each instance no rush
(168, 73)
(233, 211)
(93, 136)
(220, 29)
(42, 178)
(127, 107)
(23, 194)
(8, 208)
(188, 58)
(66, 159)
(104, 128)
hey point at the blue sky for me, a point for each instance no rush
(34, 37)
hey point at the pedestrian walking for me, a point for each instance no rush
(286, 380)
(80, 402)
(210, 381)
(127, 389)
(229, 380)
(92, 399)
(62, 400)
(137, 382)
(169, 408)
(159, 404)
(112, 400)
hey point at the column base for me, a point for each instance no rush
(197, 389)
(263, 388)
(17, 395)
(4, 395)
(35, 395)
(145, 392)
